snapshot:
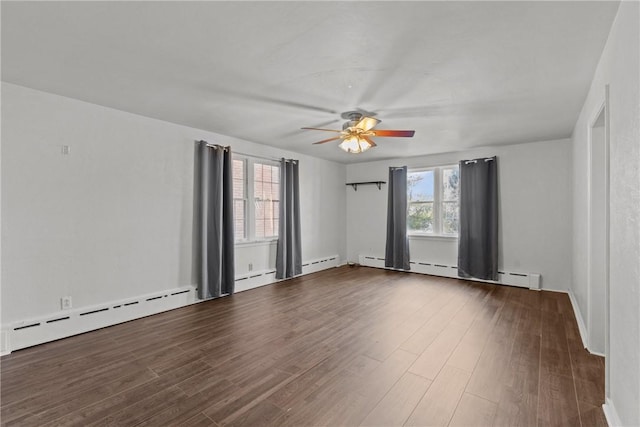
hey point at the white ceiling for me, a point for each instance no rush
(462, 74)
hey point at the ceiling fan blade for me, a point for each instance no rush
(369, 140)
(327, 130)
(327, 140)
(396, 133)
(367, 123)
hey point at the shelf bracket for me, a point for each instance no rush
(354, 185)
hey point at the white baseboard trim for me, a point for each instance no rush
(523, 280)
(65, 323)
(611, 414)
(582, 327)
(255, 279)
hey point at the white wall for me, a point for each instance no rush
(113, 219)
(535, 210)
(618, 67)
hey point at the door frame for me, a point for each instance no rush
(603, 107)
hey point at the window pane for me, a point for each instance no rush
(268, 227)
(239, 214)
(238, 179)
(239, 204)
(260, 229)
(420, 186)
(257, 171)
(238, 169)
(257, 190)
(420, 217)
(259, 204)
(266, 192)
(450, 218)
(450, 184)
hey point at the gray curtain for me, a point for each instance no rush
(397, 249)
(478, 238)
(289, 251)
(214, 244)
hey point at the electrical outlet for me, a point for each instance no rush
(250, 266)
(65, 303)
(65, 150)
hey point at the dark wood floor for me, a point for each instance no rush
(346, 346)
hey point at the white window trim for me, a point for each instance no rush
(438, 197)
(250, 214)
(245, 198)
(265, 242)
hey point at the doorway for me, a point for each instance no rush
(598, 236)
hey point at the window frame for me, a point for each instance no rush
(250, 208)
(438, 202)
(245, 183)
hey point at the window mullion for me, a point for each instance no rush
(251, 205)
(437, 201)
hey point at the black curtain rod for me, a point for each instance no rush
(274, 159)
(487, 159)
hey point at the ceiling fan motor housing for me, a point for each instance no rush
(349, 124)
(353, 116)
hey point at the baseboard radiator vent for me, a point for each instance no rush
(66, 323)
(523, 280)
(255, 279)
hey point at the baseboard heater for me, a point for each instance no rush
(523, 280)
(65, 323)
(255, 279)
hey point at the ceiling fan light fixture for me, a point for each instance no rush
(357, 133)
(367, 123)
(354, 144)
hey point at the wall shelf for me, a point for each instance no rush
(354, 185)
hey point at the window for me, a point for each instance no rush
(239, 200)
(432, 201)
(266, 193)
(256, 190)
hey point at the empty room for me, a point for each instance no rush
(319, 213)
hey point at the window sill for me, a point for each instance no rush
(448, 237)
(248, 243)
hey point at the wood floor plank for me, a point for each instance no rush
(328, 398)
(557, 405)
(199, 420)
(516, 409)
(437, 406)
(468, 351)
(264, 413)
(345, 346)
(473, 411)
(592, 416)
(591, 392)
(141, 410)
(488, 378)
(399, 402)
(235, 404)
(125, 398)
(435, 356)
(382, 379)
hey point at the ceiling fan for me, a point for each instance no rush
(357, 132)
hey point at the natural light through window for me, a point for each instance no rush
(266, 192)
(239, 200)
(257, 181)
(432, 201)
